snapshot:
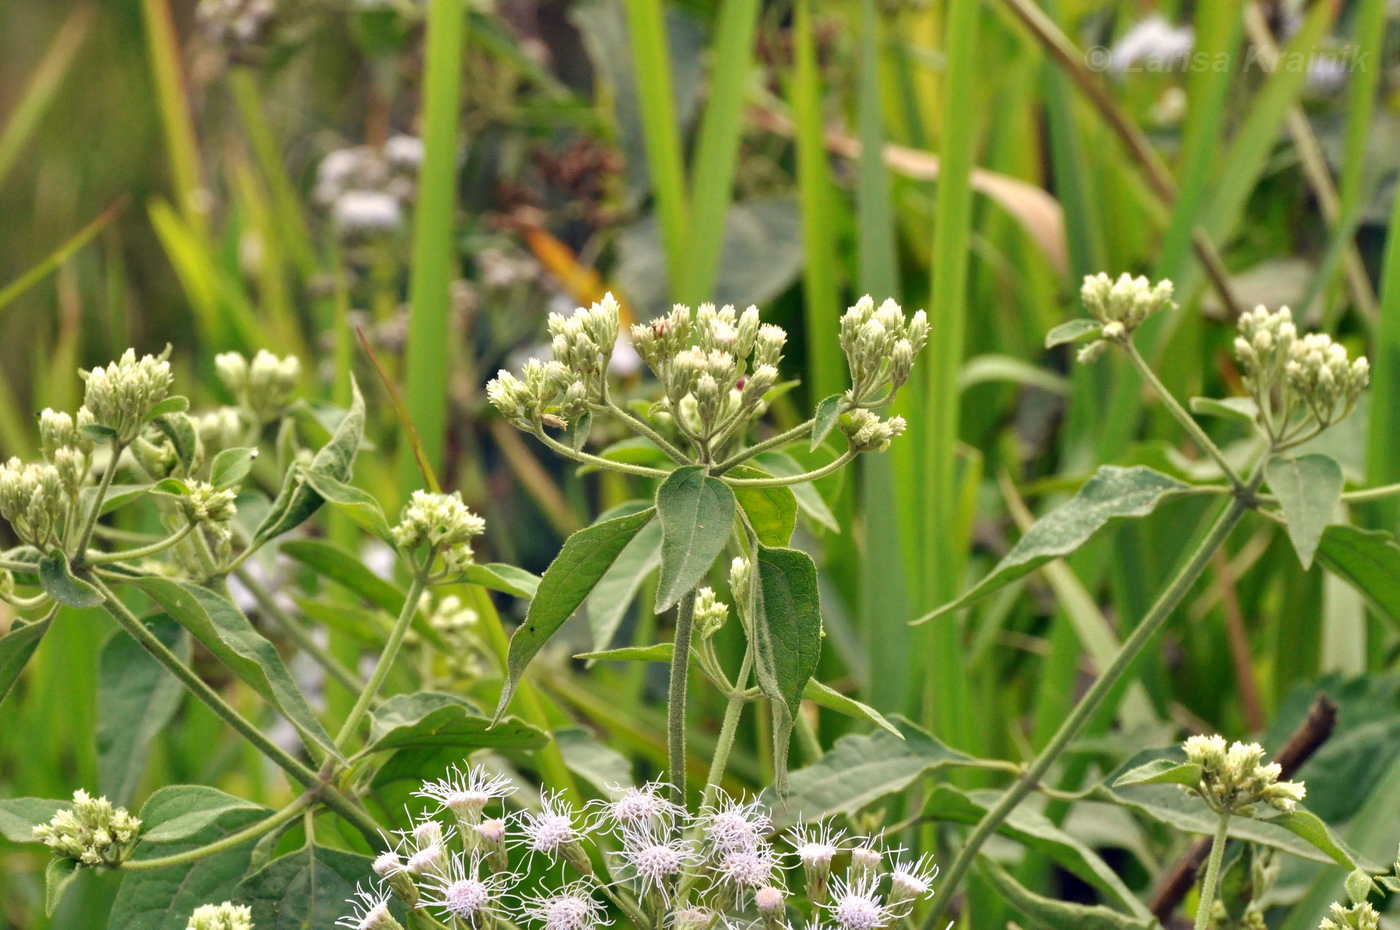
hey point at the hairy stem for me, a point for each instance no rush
(728, 730)
(1180, 414)
(783, 481)
(387, 657)
(103, 486)
(675, 707)
(1146, 629)
(626, 467)
(772, 442)
(232, 841)
(1212, 879)
(104, 558)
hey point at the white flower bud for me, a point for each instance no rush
(710, 612)
(92, 832)
(1234, 778)
(121, 395)
(442, 522)
(226, 916)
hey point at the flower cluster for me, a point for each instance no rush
(367, 190)
(91, 832)
(1360, 916)
(206, 505)
(35, 502)
(661, 865)
(1312, 374)
(121, 396)
(564, 388)
(1234, 777)
(880, 347)
(443, 524)
(226, 916)
(1120, 306)
(710, 612)
(265, 387)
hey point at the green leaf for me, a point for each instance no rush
(224, 631)
(304, 890)
(181, 432)
(600, 765)
(176, 404)
(1359, 886)
(585, 558)
(1053, 914)
(136, 698)
(1308, 489)
(821, 695)
(660, 652)
(696, 513)
(861, 769)
(787, 632)
(1368, 560)
(772, 511)
(118, 496)
(164, 899)
(177, 812)
(231, 466)
(608, 602)
(97, 432)
(63, 586)
(16, 649)
(57, 877)
(508, 579)
(809, 499)
(1037, 832)
(1113, 493)
(344, 569)
(19, 816)
(578, 431)
(430, 719)
(297, 500)
(1161, 772)
(1309, 826)
(358, 505)
(1072, 331)
(1231, 408)
(825, 419)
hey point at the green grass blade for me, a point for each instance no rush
(651, 57)
(947, 696)
(825, 368)
(1382, 453)
(177, 123)
(434, 246)
(718, 147)
(39, 272)
(43, 86)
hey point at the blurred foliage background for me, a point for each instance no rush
(253, 174)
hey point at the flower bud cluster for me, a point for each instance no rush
(367, 191)
(34, 500)
(1313, 373)
(226, 916)
(441, 522)
(710, 612)
(869, 433)
(1361, 916)
(210, 507)
(880, 346)
(1121, 306)
(122, 395)
(66, 447)
(723, 854)
(1234, 777)
(92, 832)
(265, 387)
(220, 429)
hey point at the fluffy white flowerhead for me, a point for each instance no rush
(441, 521)
(463, 890)
(654, 860)
(734, 824)
(572, 907)
(369, 911)
(91, 832)
(121, 395)
(911, 879)
(856, 905)
(635, 809)
(1234, 777)
(467, 792)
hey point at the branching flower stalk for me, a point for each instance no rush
(1319, 386)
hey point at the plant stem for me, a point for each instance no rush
(304, 641)
(1212, 879)
(1146, 629)
(675, 707)
(387, 657)
(771, 442)
(104, 558)
(1180, 414)
(233, 840)
(103, 487)
(783, 481)
(640, 470)
(732, 712)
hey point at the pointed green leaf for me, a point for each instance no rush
(231, 466)
(1162, 772)
(585, 558)
(57, 877)
(809, 499)
(1308, 488)
(507, 579)
(823, 696)
(183, 436)
(1072, 331)
(16, 648)
(224, 631)
(660, 652)
(344, 569)
(1368, 560)
(358, 505)
(304, 890)
(828, 414)
(136, 698)
(600, 765)
(771, 511)
(1309, 826)
(608, 601)
(1231, 408)
(19, 816)
(863, 768)
(63, 586)
(176, 404)
(696, 513)
(178, 812)
(428, 719)
(1053, 914)
(1113, 493)
(787, 632)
